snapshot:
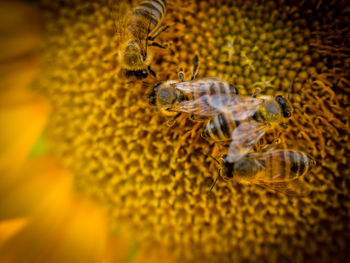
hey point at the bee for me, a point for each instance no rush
(138, 30)
(198, 97)
(244, 122)
(278, 170)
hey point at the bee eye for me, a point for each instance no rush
(144, 73)
(285, 107)
(152, 100)
(153, 94)
(229, 175)
(280, 99)
(228, 167)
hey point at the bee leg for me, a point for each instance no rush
(181, 75)
(211, 188)
(256, 92)
(172, 121)
(271, 146)
(160, 30)
(156, 44)
(152, 71)
(197, 118)
(195, 67)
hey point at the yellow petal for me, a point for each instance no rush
(76, 234)
(8, 228)
(18, 73)
(83, 237)
(117, 249)
(20, 39)
(19, 30)
(63, 228)
(35, 183)
(49, 218)
(22, 119)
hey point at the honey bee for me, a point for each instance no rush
(137, 31)
(199, 97)
(244, 122)
(278, 170)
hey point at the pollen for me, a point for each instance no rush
(154, 179)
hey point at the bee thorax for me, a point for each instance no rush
(246, 168)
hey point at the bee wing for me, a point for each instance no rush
(296, 187)
(244, 137)
(119, 15)
(206, 105)
(241, 107)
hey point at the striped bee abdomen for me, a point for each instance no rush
(285, 165)
(220, 127)
(146, 17)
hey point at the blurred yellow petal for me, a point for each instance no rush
(8, 228)
(76, 234)
(48, 220)
(34, 185)
(17, 74)
(117, 249)
(83, 237)
(62, 228)
(19, 29)
(20, 38)
(22, 119)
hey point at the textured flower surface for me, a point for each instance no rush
(41, 218)
(154, 179)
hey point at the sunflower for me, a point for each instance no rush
(152, 179)
(42, 218)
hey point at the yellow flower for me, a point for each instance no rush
(154, 180)
(42, 219)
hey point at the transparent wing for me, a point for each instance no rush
(244, 137)
(240, 107)
(119, 14)
(297, 187)
(189, 86)
(206, 105)
(210, 105)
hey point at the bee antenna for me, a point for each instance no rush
(211, 188)
(216, 160)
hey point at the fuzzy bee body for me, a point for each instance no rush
(264, 113)
(272, 166)
(278, 170)
(202, 97)
(220, 127)
(142, 26)
(146, 18)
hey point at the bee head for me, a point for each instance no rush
(227, 168)
(166, 96)
(139, 74)
(285, 105)
(153, 94)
